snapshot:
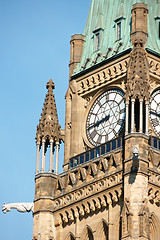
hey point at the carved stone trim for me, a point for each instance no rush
(154, 195)
(154, 67)
(90, 205)
(102, 77)
(154, 178)
(84, 192)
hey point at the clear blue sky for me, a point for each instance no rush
(34, 47)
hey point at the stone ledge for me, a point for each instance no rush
(136, 134)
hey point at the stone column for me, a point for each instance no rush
(127, 117)
(57, 157)
(141, 116)
(51, 156)
(38, 154)
(132, 114)
(43, 156)
(147, 115)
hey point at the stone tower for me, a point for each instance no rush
(110, 186)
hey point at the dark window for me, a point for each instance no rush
(71, 163)
(119, 31)
(159, 30)
(119, 143)
(155, 143)
(82, 159)
(87, 157)
(108, 147)
(103, 150)
(97, 152)
(97, 41)
(92, 154)
(114, 145)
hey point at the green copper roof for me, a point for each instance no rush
(104, 15)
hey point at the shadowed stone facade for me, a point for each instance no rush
(110, 186)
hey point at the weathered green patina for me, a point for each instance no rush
(105, 18)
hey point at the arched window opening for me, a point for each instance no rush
(137, 115)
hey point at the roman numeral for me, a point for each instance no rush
(120, 122)
(106, 137)
(93, 134)
(115, 133)
(122, 111)
(107, 97)
(155, 122)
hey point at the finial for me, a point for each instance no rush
(50, 84)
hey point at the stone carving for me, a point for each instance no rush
(154, 177)
(154, 67)
(91, 205)
(89, 190)
(102, 77)
(126, 219)
(135, 164)
(154, 196)
(144, 214)
(20, 207)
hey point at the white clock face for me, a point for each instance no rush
(155, 111)
(106, 117)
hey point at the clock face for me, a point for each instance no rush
(106, 117)
(155, 111)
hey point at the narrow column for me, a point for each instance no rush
(43, 156)
(127, 114)
(57, 157)
(38, 154)
(147, 112)
(141, 116)
(132, 114)
(51, 156)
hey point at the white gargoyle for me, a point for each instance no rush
(20, 207)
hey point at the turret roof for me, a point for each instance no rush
(103, 17)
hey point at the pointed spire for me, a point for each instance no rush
(48, 127)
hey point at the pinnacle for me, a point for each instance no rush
(50, 84)
(48, 126)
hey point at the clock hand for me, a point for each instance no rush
(99, 122)
(158, 115)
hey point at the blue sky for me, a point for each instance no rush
(34, 47)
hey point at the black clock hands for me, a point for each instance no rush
(154, 113)
(99, 122)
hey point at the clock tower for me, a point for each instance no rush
(110, 185)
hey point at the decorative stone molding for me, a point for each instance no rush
(126, 220)
(154, 67)
(154, 195)
(90, 205)
(137, 84)
(91, 172)
(102, 77)
(144, 217)
(154, 177)
(106, 183)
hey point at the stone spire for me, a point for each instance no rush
(49, 133)
(137, 85)
(48, 127)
